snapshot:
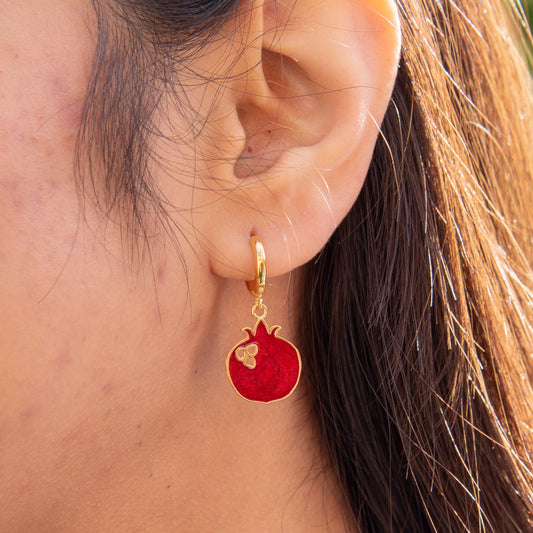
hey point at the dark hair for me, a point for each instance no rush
(417, 346)
(140, 44)
(418, 343)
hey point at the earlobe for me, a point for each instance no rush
(314, 83)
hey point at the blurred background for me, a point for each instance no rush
(528, 7)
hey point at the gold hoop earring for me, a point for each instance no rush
(262, 367)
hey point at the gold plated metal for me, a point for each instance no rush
(259, 310)
(246, 355)
(262, 367)
(257, 286)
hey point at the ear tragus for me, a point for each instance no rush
(308, 95)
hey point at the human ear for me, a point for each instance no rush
(302, 106)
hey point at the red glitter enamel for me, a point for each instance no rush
(264, 367)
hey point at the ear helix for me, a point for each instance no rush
(262, 367)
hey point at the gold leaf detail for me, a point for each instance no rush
(246, 355)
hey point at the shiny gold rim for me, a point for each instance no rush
(257, 286)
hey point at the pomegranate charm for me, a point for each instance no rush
(262, 367)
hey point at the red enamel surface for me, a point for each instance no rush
(277, 371)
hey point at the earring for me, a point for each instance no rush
(262, 367)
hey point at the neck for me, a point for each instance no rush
(206, 459)
(255, 468)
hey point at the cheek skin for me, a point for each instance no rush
(76, 324)
(45, 59)
(40, 108)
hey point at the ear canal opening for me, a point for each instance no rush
(268, 119)
(262, 147)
